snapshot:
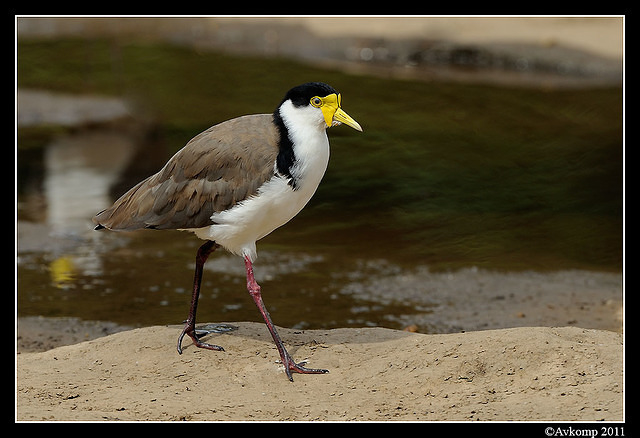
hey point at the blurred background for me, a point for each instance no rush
(486, 190)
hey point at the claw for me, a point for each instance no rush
(298, 368)
(196, 340)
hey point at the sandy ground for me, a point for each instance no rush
(528, 373)
(600, 35)
(514, 360)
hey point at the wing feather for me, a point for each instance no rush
(218, 168)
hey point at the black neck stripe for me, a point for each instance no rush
(286, 156)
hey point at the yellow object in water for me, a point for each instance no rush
(62, 271)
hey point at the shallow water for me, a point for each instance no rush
(146, 279)
(314, 273)
(65, 268)
(447, 176)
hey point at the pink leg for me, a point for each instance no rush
(289, 365)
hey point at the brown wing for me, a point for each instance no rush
(215, 170)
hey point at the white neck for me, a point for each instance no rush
(307, 132)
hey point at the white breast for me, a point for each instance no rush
(276, 202)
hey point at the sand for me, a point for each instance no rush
(506, 347)
(376, 374)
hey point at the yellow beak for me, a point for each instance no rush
(334, 115)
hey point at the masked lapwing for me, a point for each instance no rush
(235, 183)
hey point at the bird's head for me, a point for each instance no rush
(322, 98)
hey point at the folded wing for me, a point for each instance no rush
(217, 169)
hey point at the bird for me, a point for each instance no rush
(235, 183)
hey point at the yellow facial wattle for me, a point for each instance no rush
(332, 112)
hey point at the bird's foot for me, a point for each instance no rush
(292, 367)
(190, 330)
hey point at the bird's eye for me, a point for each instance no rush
(316, 101)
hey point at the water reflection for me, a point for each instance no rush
(62, 271)
(80, 170)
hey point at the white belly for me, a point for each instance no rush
(276, 203)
